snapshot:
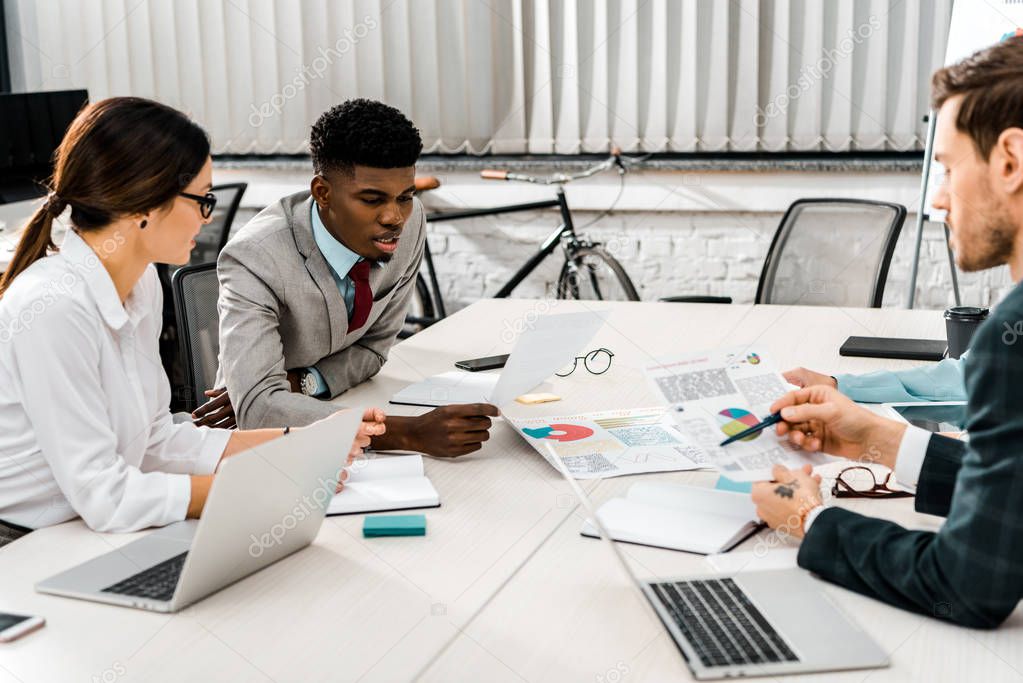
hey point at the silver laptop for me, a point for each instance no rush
(264, 504)
(756, 623)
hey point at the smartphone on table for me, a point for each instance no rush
(14, 626)
(477, 364)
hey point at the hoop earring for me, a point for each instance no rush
(143, 224)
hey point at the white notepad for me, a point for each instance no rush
(385, 483)
(667, 515)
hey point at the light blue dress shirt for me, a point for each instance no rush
(340, 259)
(941, 382)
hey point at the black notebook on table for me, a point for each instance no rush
(891, 347)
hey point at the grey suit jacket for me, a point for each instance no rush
(280, 309)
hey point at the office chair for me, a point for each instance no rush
(195, 308)
(212, 238)
(208, 245)
(827, 252)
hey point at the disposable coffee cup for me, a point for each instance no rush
(960, 324)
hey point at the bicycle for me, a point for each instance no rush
(588, 273)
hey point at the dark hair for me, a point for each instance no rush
(991, 83)
(365, 133)
(120, 156)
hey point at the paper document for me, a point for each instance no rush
(611, 443)
(547, 345)
(668, 515)
(449, 388)
(716, 394)
(385, 483)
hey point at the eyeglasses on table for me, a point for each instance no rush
(861, 482)
(596, 362)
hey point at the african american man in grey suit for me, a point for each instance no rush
(314, 289)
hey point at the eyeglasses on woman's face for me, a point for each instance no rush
(207, 202)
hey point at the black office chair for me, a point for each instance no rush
(208, 245)
(827, 252)
(213, 236)
(195, 308)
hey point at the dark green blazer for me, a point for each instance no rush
(971, 570)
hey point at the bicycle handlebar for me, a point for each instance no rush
(559, 178)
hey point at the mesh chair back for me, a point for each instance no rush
(213, 236)
(195, 307)
(831, 252)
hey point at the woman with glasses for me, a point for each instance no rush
(85, 427)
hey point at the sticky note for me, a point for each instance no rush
(394, 525)
(726, 484)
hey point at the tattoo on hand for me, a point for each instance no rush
(786, 490)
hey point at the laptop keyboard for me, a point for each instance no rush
(156, 583)
(721, 623)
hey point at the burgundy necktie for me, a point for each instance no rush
(363, 295)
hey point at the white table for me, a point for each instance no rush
(502, 587)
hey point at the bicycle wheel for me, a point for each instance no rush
(420, 314)
(590, 273)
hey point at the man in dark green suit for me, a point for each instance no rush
(971, 571)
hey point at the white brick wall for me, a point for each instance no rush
(674, 253)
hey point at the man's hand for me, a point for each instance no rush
(802, 378)
(785, 502)
(820, 418)
(217, 412)
(449, 431)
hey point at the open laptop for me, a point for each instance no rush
(264, 504)
(757, 623)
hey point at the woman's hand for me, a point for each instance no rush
(802, 378)
(372, 425)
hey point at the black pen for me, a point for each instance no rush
(774, 418)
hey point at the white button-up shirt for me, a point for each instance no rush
(85, 425)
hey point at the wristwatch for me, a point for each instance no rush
(307, 382)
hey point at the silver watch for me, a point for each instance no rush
(308, 383)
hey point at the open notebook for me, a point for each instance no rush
(386, 483)
(679, 517)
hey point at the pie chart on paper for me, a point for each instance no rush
(734, 420)
(560, 432)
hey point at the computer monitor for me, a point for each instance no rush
(31, 127)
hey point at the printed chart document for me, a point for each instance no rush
(387, 483)
(716, 394)
(612, 443)
(548, 344)
(695, 519)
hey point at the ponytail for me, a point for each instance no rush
(36, 240)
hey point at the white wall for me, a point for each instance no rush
(674, 232)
